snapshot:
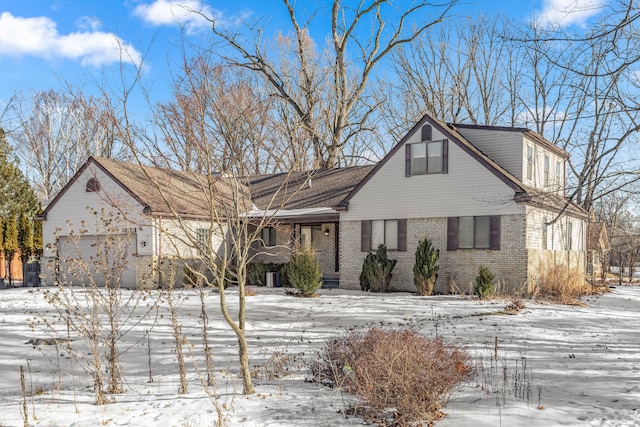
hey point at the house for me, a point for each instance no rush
(129, 220)
(137, 217)
(301, 206)
(485, 196)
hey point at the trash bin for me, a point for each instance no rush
(273, 279)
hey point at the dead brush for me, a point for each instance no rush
(279, 365)
(564, 285)
(399, 376)
(514, 307)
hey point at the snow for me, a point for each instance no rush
(564, 365)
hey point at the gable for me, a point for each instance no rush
(473, 184)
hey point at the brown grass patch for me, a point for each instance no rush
(566, 285)
(399, 376)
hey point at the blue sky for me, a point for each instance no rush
(44, 44)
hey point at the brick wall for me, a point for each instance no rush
(460, 267)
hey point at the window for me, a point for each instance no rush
(529, 162)
(268, 235)
(558, 174)
(473, 232)
(202, 237)
(384, 233)
(425, 133)
(93, 185)
(427, 158)
(391, 233)
(545, 233)
(546, 171)
(569, 235)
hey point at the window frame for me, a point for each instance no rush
(530, 155)
(453, 233)
(439, 164)
(475, 221)
(203, 237)
(547, 172)
(545, 233)
(92, 186)
(367, 243)
(268, 237)
(569, 235)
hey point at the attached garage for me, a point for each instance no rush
(104, 258)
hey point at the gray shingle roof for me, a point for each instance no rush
(300, 190)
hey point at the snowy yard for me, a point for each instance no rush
(556, 365)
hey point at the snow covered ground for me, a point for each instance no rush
(555, 365)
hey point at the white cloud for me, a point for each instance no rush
(564, 13)
(190, 13)
(39, 37)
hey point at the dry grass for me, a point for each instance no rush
(399, 376)
(566, 286)
(514, 307)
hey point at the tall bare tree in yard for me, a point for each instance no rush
(328, 90)
(55, 131)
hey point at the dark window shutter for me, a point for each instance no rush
(452, 233)
(407, 160)
(426, 133)
(402, 235)
(365, 236)
(272, 236)
(494, 230)
(445, 156)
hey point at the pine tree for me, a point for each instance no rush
(15, 192)
(10, 244)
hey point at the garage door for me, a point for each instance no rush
(98, 257)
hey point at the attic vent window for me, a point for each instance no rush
(93, 185)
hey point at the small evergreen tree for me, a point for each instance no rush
(425, 270)
(304, 272)
(367, 267)
(484, 283)
(376, 271)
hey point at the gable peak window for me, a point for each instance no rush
(93, 185)
(427, 157)
(425, 133)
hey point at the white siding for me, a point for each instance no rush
(557, 237)
(173, 238)
(73, 211)
(503, 147)
(537, 181)
(468, 189)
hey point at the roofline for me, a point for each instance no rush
(570, 208)
(489, 127)
(91, 159)
(474, 152)
(525, 131)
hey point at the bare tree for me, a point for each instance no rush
(329, 93)
(55, 131)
